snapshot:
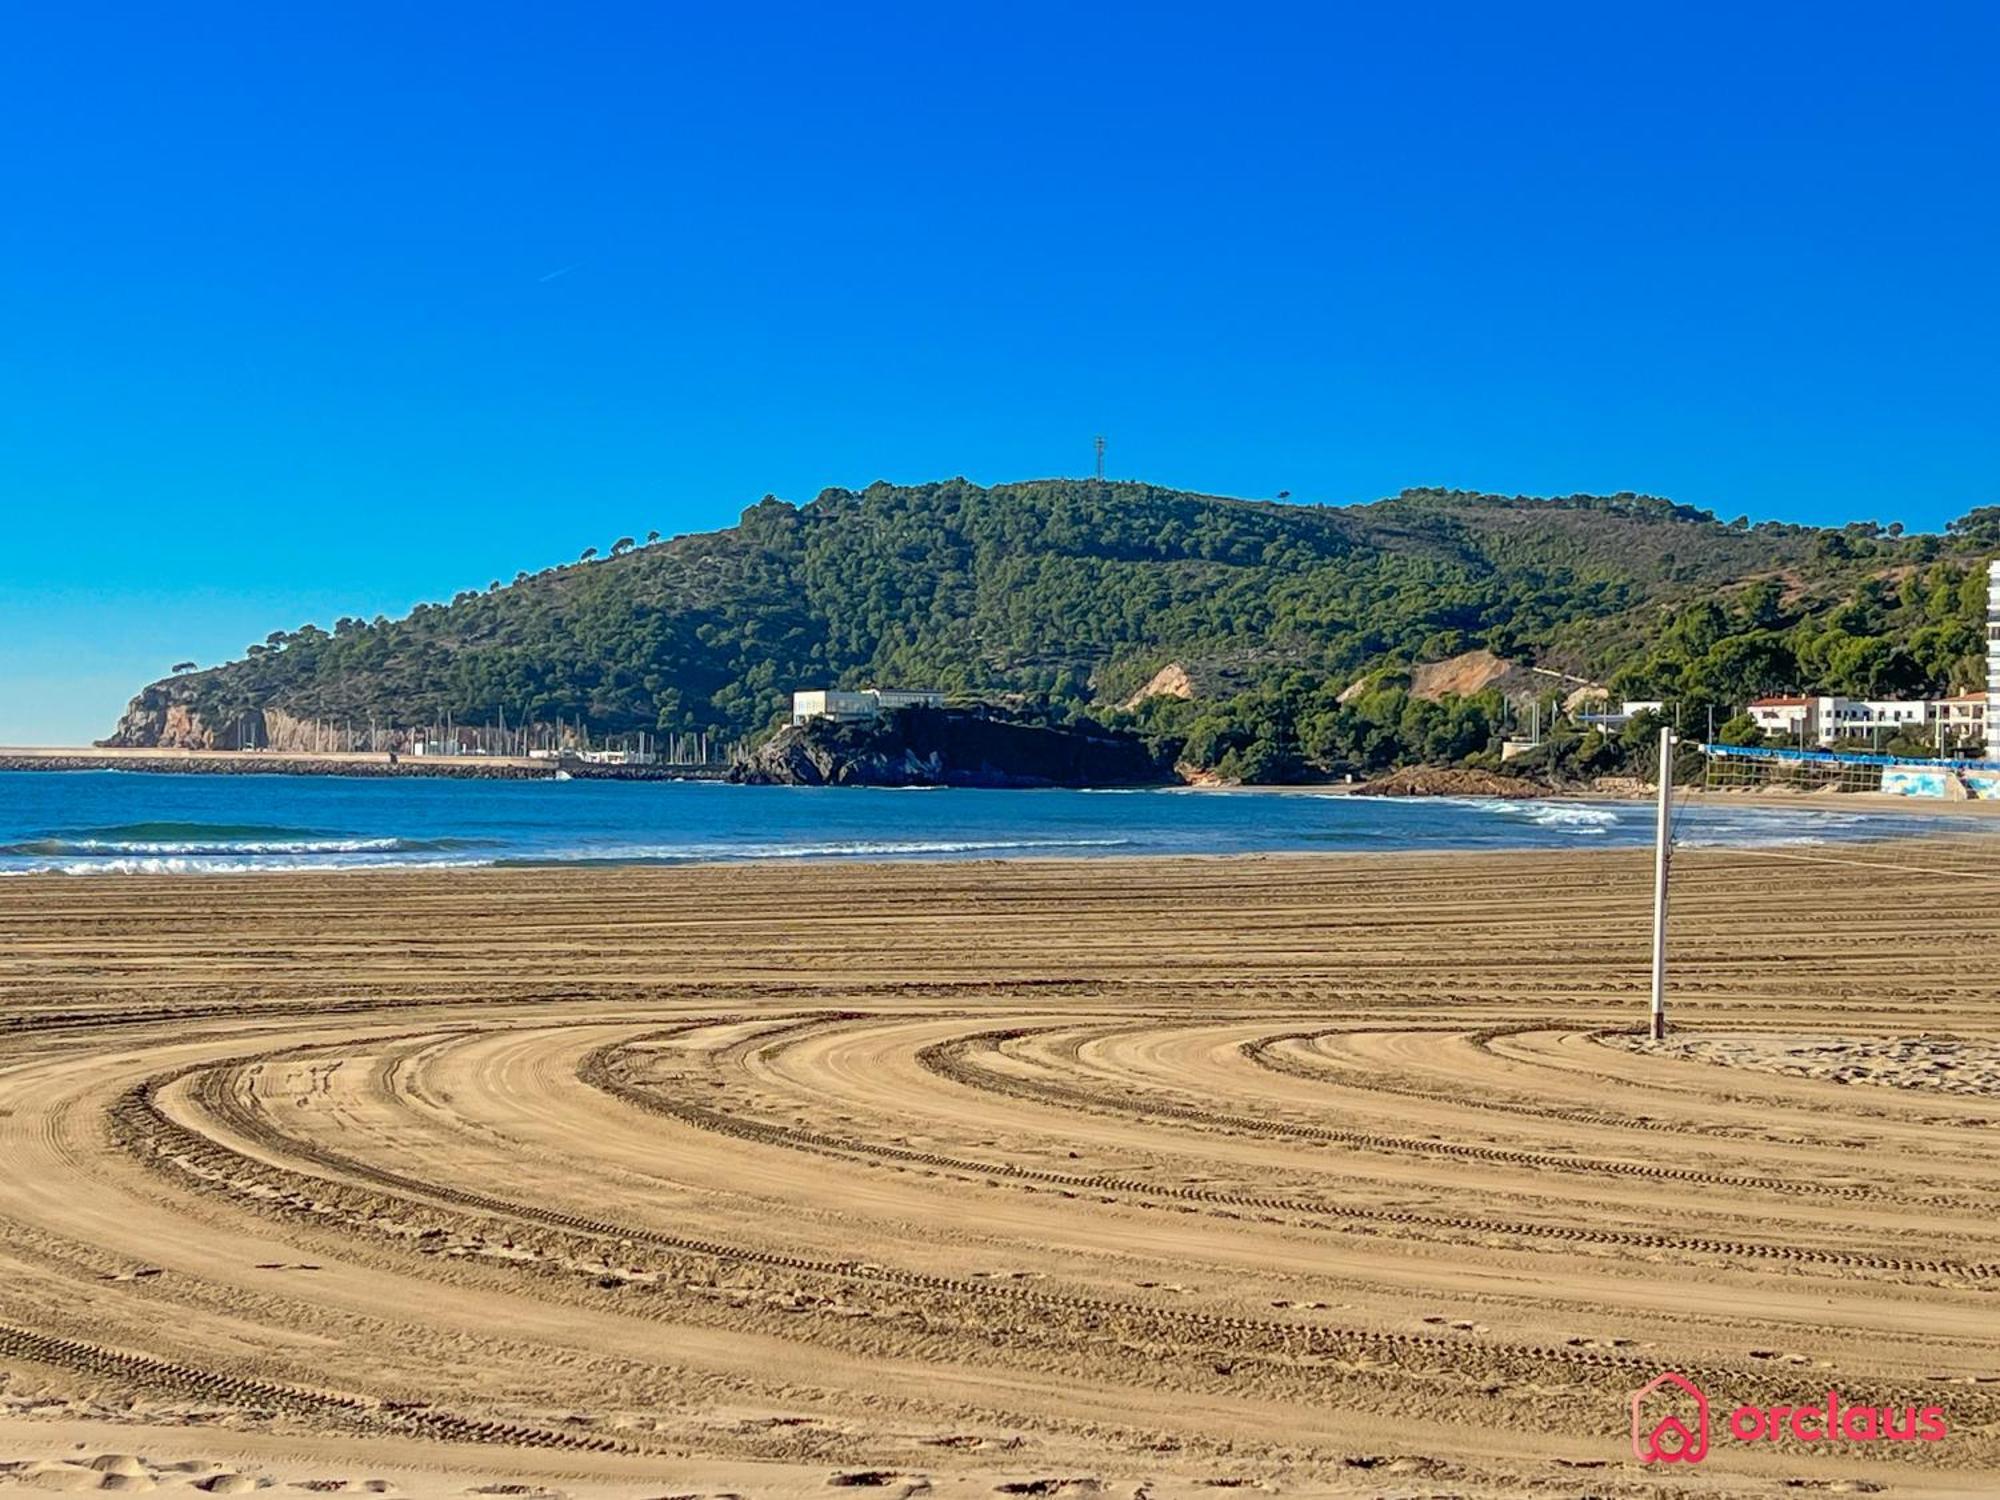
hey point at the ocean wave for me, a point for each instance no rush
(1570, 817)
(203, 864)
(115, 848)
(163, 829)
(51, 847)
(163, 839)
(1745, 838)
(241, 859)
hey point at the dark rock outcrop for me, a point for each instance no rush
(946, 747)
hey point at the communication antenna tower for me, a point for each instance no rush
(1099, 441)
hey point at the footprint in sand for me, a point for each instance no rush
(230, 1484)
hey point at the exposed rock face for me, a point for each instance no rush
(164, 717)
(281, 731)
(1171, 681)
(159, 718)
(1461, 676)
(941, 747)
(1473, 672)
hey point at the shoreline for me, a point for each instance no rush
(1453, 862)
(55, 758)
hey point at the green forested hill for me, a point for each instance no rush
(1078, 591)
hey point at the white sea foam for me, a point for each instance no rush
(168, 847)
(1565, 817)
(1726, 836)
(209, 864)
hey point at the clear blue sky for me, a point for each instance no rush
(309, 312)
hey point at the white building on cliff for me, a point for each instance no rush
(845, 707)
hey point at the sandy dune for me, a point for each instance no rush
(1134, 1179)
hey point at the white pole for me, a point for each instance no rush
(1662, 845)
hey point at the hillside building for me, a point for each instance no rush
(1782, 718)
(859, 706)
(1629, 710)
(1859, 718)
(1964, 719)
(618, 757)
(1825, 720)
(1993, 660)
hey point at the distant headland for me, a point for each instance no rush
(1239, 640)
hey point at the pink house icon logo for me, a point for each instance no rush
(1669, 1421)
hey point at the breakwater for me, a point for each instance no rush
(296, 763)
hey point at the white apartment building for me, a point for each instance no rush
(1823, 720)
(1858, 718)
(1963, 717)
(1782, 718)
(856, 707)
(1993, 660)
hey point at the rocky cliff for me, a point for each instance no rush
(167, 716)
(944, 747)
(163, 717)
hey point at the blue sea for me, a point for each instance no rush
(90, 822)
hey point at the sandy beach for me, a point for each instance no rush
(1314, 1175)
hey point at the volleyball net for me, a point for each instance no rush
(1760, 768)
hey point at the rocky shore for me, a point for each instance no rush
(1446, 781)
(946, 747)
